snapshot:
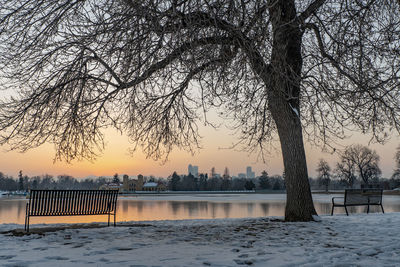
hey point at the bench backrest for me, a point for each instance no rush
(72, 202)
(363, 196)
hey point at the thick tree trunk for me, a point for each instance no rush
(282, 79)
(299, 203)
(284, 104)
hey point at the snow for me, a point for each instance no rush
(356, 240)
(4, 194)
(150, 184)
(294, 110)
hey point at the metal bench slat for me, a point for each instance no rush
(71, 202)
(35, 206)
(48, 202)
(105, 201)
(40, 202)
(94, 201)
(43, 203)
(70, 197)
(98, 202)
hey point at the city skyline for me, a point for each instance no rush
(194, 170)
(117, 159)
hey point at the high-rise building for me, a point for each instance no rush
(250, 173)
(194, 170)
(190, 169)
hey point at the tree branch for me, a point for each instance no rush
(176, 54)
(310, 10)
(314, 27)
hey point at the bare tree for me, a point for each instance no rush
(152, 69)
(345, 170)
(324, 173)
(364, 160)
(396, 173)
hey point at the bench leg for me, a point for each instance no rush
(115, 220)
(382, 209)
(27, 224)
(333, 206)
(345, 208)
(368, 209)
(27, 218)
(108, 219)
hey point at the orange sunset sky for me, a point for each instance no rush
(215, 153)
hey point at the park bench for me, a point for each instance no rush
(359, 197)
(71, 203)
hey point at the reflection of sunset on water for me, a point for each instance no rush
(150, 208)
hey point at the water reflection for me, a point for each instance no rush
(191, 207)
(227, 209)
(264, 208)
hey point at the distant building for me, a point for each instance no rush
(151, 186)
(249, 173)
(242, 175)
(190, 169)
(110, 186)
(130, 185)
(194, 170)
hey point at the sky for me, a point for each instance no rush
(215, 152)
(116, 158)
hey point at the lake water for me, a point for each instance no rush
(195, 206)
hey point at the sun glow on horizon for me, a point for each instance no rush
(116, 158)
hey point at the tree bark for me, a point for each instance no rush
(284, 104)
(299, 203)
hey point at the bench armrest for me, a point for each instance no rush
(333, 199)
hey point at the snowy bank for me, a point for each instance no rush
(356, 240)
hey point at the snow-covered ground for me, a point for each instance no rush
(356, 240)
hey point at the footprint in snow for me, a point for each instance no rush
(244, 262)
(40, 248)
(78, 245)
(58, 258)
(92, 253)
(104, 260)
(6, 257)
(123, 248)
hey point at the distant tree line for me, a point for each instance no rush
(24, 183)
(358, 166)
(225, 183)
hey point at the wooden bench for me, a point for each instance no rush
(359, 197)
(71, 203)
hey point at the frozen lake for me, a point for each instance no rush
(194, 206)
